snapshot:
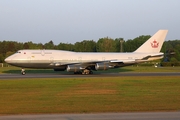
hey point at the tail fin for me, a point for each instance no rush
(153, 44)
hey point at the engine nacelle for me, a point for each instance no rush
(102, 66)
(73, 68)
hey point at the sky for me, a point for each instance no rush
(70, 21)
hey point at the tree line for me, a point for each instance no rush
(171, 48)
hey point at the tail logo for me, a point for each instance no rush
(154, 44)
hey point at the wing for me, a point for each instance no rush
(106, 64)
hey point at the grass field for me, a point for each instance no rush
(89, 95)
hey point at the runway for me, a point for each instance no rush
(99, 116)
(55, 75)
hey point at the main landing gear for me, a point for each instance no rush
(84, 72)
(87, 72)
(23, 72)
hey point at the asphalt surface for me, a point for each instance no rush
(99, 116)
(51, 75)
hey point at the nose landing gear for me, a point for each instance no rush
(23, 72)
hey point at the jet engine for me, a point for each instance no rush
(73, 68)
(102, 66)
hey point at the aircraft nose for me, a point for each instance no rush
(7, 60)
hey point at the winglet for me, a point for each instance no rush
(153, 44)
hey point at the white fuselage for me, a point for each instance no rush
(57, 58)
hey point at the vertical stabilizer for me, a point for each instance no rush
(153, 44)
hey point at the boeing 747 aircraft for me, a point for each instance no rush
(86, 62)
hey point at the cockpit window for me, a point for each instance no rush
(18, 52)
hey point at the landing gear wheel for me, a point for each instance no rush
(23, 71)
(87, 72)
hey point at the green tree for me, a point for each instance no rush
(106, 45)
(9, 53)
(26, 46)
(132, 45)
(85, 46)
(1, 58)
(65, 46)
(49, 45)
